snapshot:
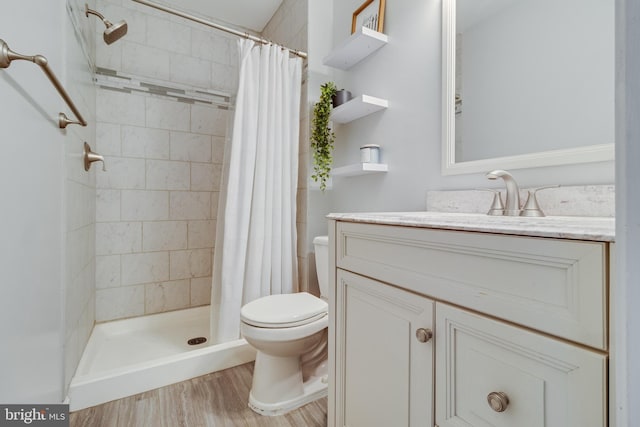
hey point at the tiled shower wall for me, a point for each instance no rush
(157, 202)
(79, 190)
(288, 27)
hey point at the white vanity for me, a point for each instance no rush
(469, 320)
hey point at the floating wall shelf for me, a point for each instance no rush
(358, 46)
(360, 169)
(357, 107)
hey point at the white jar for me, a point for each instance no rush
(370, 153)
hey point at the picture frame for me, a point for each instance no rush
(370, 15)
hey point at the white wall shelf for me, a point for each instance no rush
(360, 169)
(358, 46)
(357, 107)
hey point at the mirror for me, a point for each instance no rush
(527, 83)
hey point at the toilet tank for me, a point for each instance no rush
(321, 245)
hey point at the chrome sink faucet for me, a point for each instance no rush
(512, 203)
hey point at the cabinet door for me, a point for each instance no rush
(384, 355)
(533, 380)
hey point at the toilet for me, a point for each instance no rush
(289, 333)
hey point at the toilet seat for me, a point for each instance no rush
(284, 311)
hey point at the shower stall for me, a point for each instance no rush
(130, 356)
(156, 210)
(164, 109)
(128, 250)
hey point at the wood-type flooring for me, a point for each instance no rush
(218, 399)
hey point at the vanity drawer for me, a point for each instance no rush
(532, 380)
(551, 285)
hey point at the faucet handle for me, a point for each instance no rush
(90, 157)
(497, 207)
(531, 206)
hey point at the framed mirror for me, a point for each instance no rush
(527, 83)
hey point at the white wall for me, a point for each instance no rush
(320, 42)
(407, 72)
(627, 296)
(45, 225)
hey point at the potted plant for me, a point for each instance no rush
(322, 137)
(340, 97)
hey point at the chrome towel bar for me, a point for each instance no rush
(7, 55)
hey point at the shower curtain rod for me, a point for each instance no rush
(214, 25)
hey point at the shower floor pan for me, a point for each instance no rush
(130, 356)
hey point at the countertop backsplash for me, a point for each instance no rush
(586, 200)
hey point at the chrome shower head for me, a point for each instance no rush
(113, 32)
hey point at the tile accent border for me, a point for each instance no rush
(127, 83)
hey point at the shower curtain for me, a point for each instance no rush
(255, 252)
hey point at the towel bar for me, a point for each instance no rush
(7, 55)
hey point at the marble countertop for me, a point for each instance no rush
(566, 227)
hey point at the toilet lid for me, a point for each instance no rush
(284, 311)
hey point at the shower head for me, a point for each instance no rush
(113, 32)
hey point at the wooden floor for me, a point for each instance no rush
(218, 399)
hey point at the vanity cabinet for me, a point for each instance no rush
(384, 327)
(456, 328)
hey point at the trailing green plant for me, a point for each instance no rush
(322, 137)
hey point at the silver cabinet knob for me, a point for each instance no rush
(498, 401)
(424, 335)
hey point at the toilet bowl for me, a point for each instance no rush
(289, 333)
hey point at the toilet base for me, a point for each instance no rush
(314, 388)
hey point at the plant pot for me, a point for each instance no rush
(341, 97)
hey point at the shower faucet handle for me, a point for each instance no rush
(90, 157)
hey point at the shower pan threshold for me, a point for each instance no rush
(130, 356)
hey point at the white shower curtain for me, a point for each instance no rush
(255, 252)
